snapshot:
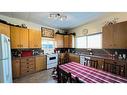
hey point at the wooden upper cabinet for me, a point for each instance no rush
(24, 38)
(31, 38)
(107, 36)
(38, 39)
(5, 29)
(19, 37)
(114, 36)
(70, 41)
(34, 38)
(66, 41)
(59, 40)
(15, 37)
(120, 38)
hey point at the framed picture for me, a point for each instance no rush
(46, 32)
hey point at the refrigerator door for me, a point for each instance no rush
(4, 47)
(5, 60)
(5, 72)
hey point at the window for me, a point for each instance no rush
(81, 42)
(48, 45)
(95, 41)
(89, 41)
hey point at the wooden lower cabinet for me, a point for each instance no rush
(74, 58)
(40, 62)
(100, 62)
(16, 68)
(27, 65)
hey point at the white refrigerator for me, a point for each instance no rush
(5, 60)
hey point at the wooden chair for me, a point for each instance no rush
(91, 63)
(63, 77)
(66, 78)
(115, 68)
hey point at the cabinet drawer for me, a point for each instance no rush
(27, 63)
(23, 60)
(27, 66)
(25, 71)
(30, 59)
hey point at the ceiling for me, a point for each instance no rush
(74, 19)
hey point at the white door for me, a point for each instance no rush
(82, 59)
(5, 64)
(1, 72)
(4, 47)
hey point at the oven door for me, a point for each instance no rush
(51, 60)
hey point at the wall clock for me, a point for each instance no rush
(85, 31)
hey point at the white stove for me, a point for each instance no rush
(52, 60)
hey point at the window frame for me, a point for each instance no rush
(87, 40)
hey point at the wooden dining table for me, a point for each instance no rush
(88, 74)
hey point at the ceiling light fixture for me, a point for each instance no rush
(57, 16)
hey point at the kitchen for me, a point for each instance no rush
(39, 46)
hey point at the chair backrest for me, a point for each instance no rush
(66, 77)
(91, 63)
(115, 68)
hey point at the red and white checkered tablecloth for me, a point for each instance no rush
(91, 75)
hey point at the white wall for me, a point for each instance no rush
(96, 26)
(30, 25)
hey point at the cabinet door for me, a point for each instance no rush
(5, 29)
(16, 68)
(15, 37)
(107, 36)
(40, 63)
(23, 38)
(37, 39)
(34, 39)
(120, 38)
(66, 41)
(59, 40)
(74, 58)
(100, 62)
(31, 38)
(70, 41)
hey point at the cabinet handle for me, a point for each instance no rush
(27, 71)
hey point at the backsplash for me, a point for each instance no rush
(120, 53)
(26, 52)
(111, 52)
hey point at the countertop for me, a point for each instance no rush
(107, 57)
(27, 56)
